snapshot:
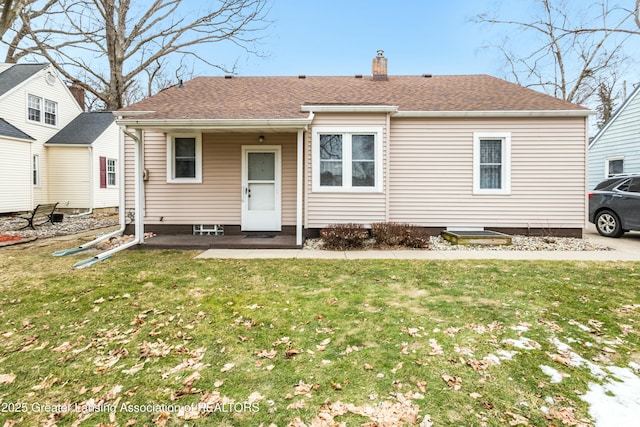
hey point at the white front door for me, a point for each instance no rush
(261, 199)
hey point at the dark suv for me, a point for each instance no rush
(614, 205)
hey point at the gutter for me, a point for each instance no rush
(214, 124)
(497, 113)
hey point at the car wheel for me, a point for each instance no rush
(608, 224)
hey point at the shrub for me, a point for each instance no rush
(344, 236)
(415, 237)
(388, 233)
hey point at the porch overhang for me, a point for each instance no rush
(217, 125)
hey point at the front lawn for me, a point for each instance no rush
(158, 338)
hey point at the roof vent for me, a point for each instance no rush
(379, 67)
(358, 76)
(228, 76)
(302, 76)
(427, 76)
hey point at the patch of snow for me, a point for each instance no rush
(634, 366)
(616, 403)
(549, 400)
(577, 360)
(544, 410)
(502, 355)
(523, 343)
(520, 328)
(556, 377)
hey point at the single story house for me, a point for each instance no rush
(616, 147)
(51, 149)
(296, 154)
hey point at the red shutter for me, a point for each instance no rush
(103, 172)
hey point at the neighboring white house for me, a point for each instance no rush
(616, 148)
(83, 162)
(36, 108)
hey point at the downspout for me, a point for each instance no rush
(299, 184)
(90, 211)
(139, 221)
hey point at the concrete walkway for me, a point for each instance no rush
(626, 248)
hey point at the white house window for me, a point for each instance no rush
(42, 110)
(36, 170)
(50, 112)
(347, 159)
(111, 173)
(491, 163)
(184, 159)
(614, 166)
(34, 108)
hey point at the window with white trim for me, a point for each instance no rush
(36, 170)
(614, 166)
(184, 158)
(42, 110)
(50, 112)
(34, 108)
(111, 173)
(347, 159)
(492, 163)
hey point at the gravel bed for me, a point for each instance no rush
(519, 243)
(11, 225)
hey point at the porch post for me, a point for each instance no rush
(299, 184)
(139, 186)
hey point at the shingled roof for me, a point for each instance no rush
(9, 130)
(283, 97)
(84, 129)
(16, 74)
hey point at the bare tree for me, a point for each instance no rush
(9, 11)
(563, 61)
(115, 47)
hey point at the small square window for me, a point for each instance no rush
(184, 159)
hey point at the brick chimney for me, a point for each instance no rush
(78, 93)
(379, 67)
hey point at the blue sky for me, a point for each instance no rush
(341, 37)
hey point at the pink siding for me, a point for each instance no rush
(323, 208)
(217, 200)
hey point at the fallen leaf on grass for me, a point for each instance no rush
(563, 359)
(134, 369)
(255, 397)
(480, 365)
(475, 395)
(65, 346)
(517, 420)
(300, 404)
(7, 378)
(227, 367)
(336, 386)
(436, 349)
(453, 382)
(267, 354)
(566, 416)
(11, 423)
(162, 419)
(291, 352)
(47, 382)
